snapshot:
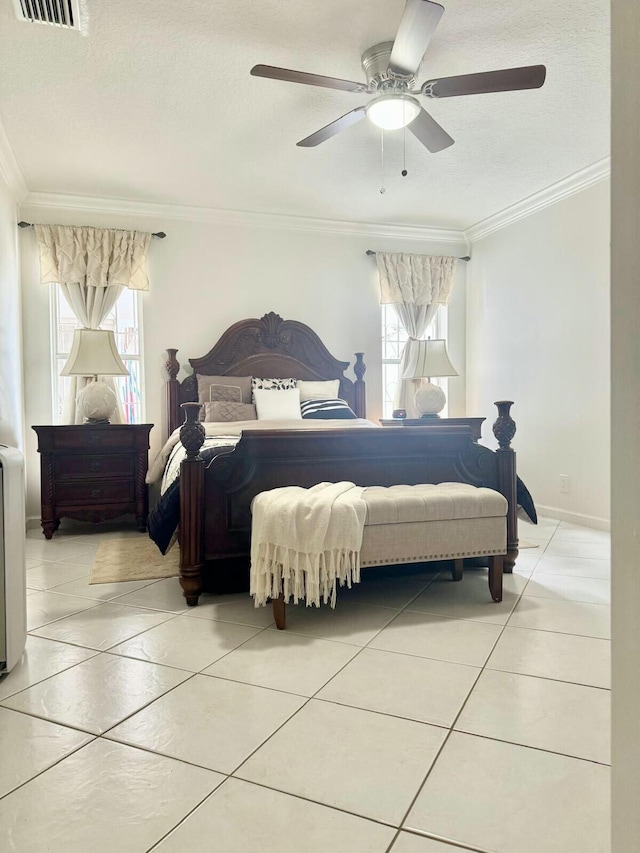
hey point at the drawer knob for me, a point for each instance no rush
(96, 493)
(95, 466)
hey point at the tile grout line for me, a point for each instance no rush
(456, 718)
(360, 649)
(452, 728)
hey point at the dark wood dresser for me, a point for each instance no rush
(92, 472)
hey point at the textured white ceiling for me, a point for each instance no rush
(157, 105)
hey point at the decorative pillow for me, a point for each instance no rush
(327, 410)
(205, 383)
(272, 385)
(226, 393)
(229, 410)
(318, 390)
(277, 405)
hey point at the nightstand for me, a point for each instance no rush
(475, 424)
(92, 472)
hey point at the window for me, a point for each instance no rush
(124, 321)
(394, 337)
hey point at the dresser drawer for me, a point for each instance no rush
(70, 467)
(90, 438)
(92, 492)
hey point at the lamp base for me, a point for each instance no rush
(429, 400)
(96, 402)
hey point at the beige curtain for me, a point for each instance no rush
(92, 267)
(416, 286)
(90, 305)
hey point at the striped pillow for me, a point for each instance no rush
(326, 410)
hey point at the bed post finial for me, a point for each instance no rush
(504, 428)
(192, 505)
(173, 391)
(172, 364)
(360, 368)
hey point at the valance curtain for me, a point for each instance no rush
(92, 267)
(416, 286)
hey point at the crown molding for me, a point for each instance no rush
(220, 216)
(564, 188)
(462, 239)
(10, 170)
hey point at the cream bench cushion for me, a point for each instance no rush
(432, 522)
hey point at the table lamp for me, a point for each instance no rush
(94, 353)
(426, 359)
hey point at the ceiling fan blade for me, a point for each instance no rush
(330, 130)
(310, 79)
(507, 80)
(418, 24)
(429, 132)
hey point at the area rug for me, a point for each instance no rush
(133, 559)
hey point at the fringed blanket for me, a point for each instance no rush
(306, 541)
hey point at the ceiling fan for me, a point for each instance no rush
(391, 69)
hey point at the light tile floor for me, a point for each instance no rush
(418, 717)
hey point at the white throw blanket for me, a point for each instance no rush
(305, 541)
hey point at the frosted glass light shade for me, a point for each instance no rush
(391, 112)
(428, 358)
(94, 353)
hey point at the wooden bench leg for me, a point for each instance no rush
(495, 577)
(457, 569)
(280, 612)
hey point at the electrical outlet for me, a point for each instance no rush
(564, 483)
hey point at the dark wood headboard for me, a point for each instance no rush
(265, 347)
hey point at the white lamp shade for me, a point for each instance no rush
(428, 358)
(94, 353)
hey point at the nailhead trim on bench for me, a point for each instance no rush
(430, 557)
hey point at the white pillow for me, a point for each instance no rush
(318, 390)
(277, 405)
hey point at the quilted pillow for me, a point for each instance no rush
(206, 382)
(226, 393)
(229, 410)
(327, 410)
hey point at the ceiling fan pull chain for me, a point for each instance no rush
(404, 172)
(382, 189)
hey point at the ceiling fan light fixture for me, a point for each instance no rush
(393, 111)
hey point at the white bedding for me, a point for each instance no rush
(166, 465)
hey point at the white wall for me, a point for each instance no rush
(625, 419)
(205, 277)
(538, 334)
(11, 403)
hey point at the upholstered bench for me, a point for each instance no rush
(416, 524)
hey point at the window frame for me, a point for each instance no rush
(437, 329)
(55, 295)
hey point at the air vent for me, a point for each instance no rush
(57, 13)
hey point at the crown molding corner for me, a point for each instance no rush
(220, 216)
(9, 169)
(552, 194)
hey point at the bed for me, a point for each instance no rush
(216, 487)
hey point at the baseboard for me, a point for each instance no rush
(574, 517)
(33, 522)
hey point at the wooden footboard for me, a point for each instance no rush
(215, 499)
